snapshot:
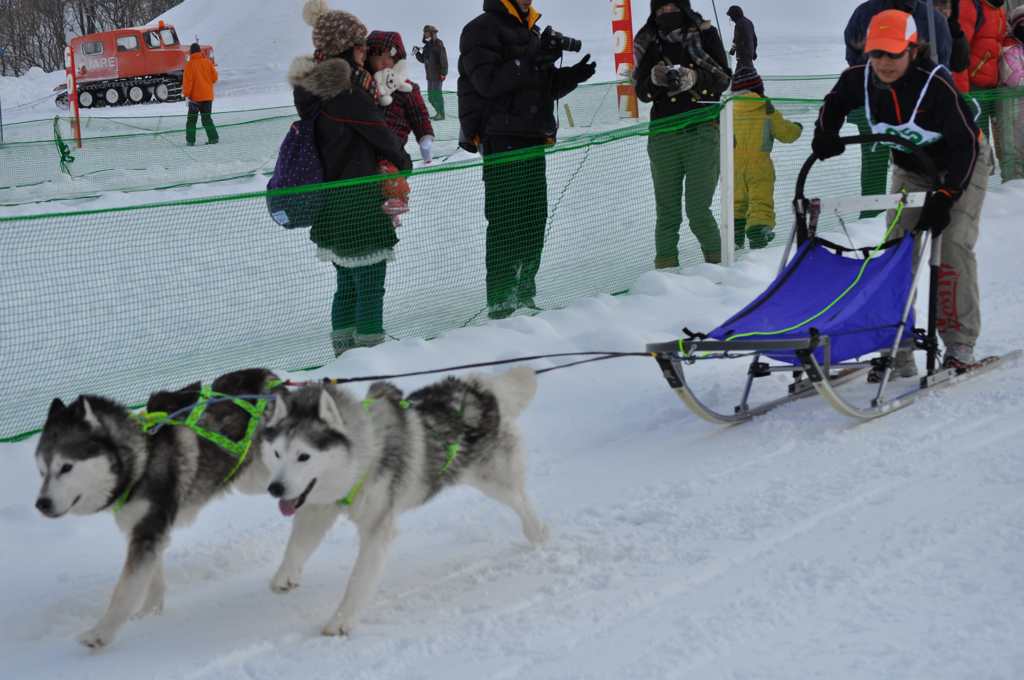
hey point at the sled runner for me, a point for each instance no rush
(824, 311)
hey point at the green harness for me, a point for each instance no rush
(239, 449)
(453, 449)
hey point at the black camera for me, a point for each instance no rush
(672, 78)
(553, 41)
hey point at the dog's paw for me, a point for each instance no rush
(96, 638)
(337, 626)
(537, 534)
(149, 610)
(284, 583)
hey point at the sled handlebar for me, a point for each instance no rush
(914, 149)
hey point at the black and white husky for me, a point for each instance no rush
(329, 453)
(94, 456)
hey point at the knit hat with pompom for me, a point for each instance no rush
(334, 31)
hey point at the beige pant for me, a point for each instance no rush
(959, 312)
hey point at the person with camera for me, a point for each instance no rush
(906, 94)
(682, 68)
(435, 56)
(508, 84)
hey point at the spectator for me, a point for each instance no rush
(756, 125)
(677, 41)
(435, 57)
(406, 113)
(960, 52)
(353, 139)
(984, 24)
(1011, 74)
(508, 85)
(744, 39)
(910, 96)
(197, 87)
(874, 163)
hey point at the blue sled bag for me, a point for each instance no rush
(298, 165)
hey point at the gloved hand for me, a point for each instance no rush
(583, 71)
(442, 77)
(659, 73)
(732, 50)
(427, 149)
(687, 80)
(415, 50)
(827, 145)
(936, 213)
(723, 77)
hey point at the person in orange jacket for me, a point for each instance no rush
(984, 25)
(197, 88)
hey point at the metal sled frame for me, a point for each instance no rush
(823, 378)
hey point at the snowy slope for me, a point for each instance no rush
(801, 545)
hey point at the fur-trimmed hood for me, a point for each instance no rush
(324, 79)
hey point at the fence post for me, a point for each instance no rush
(726, 151)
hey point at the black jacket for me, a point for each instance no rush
(744, 39)
(352, 136)
(435, 56)
(501, 91)
(942, 110)
(652, 49)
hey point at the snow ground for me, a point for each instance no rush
(799, 545)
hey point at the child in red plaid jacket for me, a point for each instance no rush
(404, 110)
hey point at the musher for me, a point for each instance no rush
(905, 94)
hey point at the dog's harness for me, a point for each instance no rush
(152, 422)
(453, 448)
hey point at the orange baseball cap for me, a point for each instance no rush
(891, 31)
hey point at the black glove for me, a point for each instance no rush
(583, 71)
(827, 145)
(935, 214)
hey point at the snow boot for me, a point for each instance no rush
(368, 340)
(342, 341)
(504, 308)
(760, 236)
(903, 367)
(666, 262)
(959, 356)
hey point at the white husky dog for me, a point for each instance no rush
(329, 454)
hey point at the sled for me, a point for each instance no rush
(824, 311)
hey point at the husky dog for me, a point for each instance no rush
(330, 454)
(94, 456)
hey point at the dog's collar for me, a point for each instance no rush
(122, 500)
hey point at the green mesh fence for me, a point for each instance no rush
(121, 302)
(39, 162)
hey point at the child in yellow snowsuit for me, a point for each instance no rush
(757, 125)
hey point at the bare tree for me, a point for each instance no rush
(35, 32)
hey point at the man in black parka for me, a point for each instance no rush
(507, 89)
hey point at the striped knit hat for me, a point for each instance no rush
(334, 31)
(747, 79)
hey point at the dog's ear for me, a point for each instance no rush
(279, 410)
(90, 416)
(329, 412)
(56, 408)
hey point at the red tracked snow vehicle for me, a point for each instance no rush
(128, 66)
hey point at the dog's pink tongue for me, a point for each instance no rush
(287, 507)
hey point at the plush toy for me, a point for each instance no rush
(391, 79)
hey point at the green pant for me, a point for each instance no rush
(688, 155)
(516, 208)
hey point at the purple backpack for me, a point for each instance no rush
(298, 165)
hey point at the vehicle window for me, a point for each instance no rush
(152, 39)
(91, 49)
(127, 43)
(169, 36)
